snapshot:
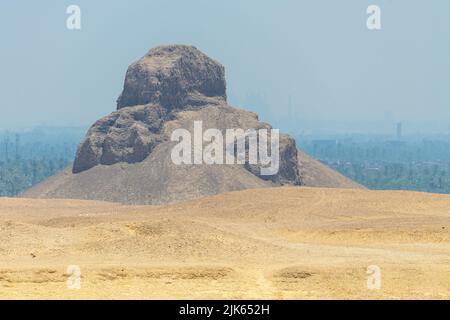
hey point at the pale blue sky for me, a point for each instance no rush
(319, 55)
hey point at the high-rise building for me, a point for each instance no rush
(399, 131)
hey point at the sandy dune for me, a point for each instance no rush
(282, 243)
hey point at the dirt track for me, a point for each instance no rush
(283, 243)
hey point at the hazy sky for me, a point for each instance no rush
(303, 65)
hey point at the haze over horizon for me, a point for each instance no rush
(302, 65)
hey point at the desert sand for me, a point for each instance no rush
(271, 243)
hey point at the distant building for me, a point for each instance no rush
(399, 131)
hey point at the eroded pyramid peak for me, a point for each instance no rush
(174, 77)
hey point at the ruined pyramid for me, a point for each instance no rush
(126, 156)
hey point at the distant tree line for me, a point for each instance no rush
(27, 158)
(19, 175)
(417, 164)
(399, 176)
